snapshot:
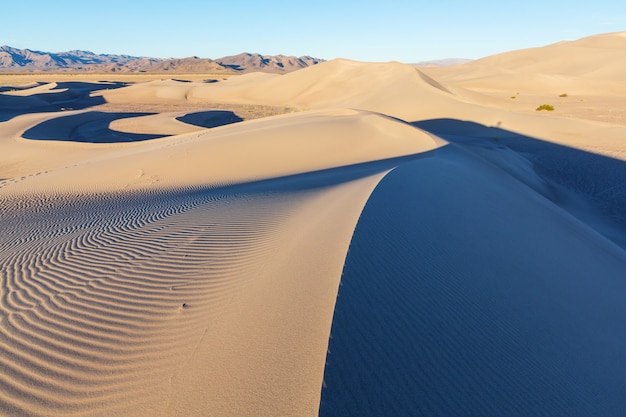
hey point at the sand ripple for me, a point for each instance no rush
(157, 303)
(86, 296)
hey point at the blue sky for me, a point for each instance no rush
(391, 30)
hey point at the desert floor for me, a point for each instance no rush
(349, 239)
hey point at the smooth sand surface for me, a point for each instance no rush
(184, 247)
(468, 292)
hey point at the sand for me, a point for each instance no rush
(348, 239)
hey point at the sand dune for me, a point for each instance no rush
(587, 57)
(162, 271)
(237, 153)
(551, 66)
(583, 79)
(466, 292)
(178, 302)
(407, 93)
(392, 89)
(400, 241)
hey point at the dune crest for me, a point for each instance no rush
(390, 88)
(174, 302)
(239, 153)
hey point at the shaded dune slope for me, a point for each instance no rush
(91, 126)
(466, 292)
(51, 97)
(111, 127)
(590, 186)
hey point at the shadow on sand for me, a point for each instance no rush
(5, 88)
(465, 292)
(580, 181)
(211, 118)
(65, 96)
(91, 127)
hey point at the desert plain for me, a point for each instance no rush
(349, 239)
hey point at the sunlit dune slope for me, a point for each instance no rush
(255, 150)
(593, 65)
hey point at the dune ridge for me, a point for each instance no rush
(232, 154)
(122, 306)
(415, 94)
(422, 328)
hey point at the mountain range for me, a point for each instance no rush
(27, 60)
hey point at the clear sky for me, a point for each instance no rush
(386, 30)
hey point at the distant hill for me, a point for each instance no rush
(13, 59)
(27, 60)
(191, 64)
(256, 62)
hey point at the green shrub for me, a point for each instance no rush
(563, 95)
(546, 107)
